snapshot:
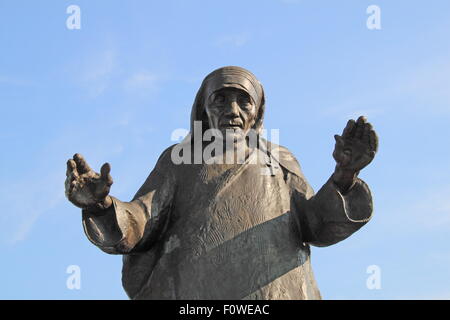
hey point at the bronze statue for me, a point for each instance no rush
(226, 230)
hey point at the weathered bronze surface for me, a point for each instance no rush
(241, 229)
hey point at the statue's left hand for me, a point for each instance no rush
(354, 150)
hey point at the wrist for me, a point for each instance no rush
(344, 178)
(107, 202)
(102, 205)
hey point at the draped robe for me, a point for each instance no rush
(210, 231)
(205, 232)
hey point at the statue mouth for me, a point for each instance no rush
(232, 125)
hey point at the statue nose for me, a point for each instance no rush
(234, 109)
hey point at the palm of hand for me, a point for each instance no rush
(357, 146)
(84, 187)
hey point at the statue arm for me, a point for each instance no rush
(330, 215)
(127, 227)
(117, 229)
(344, 203)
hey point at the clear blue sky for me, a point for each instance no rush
(116, 89)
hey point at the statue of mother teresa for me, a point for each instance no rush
(232, 221)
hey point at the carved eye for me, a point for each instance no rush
(244, 100)
(218, 98)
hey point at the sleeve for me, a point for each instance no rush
(128, 227)
(330, 216)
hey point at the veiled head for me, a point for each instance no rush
(231, 100)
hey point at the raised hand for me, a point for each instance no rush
(85, 188)
(354, 150)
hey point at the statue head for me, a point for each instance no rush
(231, 100)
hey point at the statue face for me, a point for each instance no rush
(232, 111)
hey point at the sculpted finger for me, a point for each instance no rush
(339, 148)
(360, 124)
(338, 139)
(340, 143)
(362, 119)
(373, 140)
(82, 165)
(72, 171)
(104, 174)
(366, 133)
(349, 129)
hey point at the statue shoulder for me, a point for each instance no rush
(165, 155)
(285, 158)
(165, 159)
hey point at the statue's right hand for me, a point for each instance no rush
(85, 188)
